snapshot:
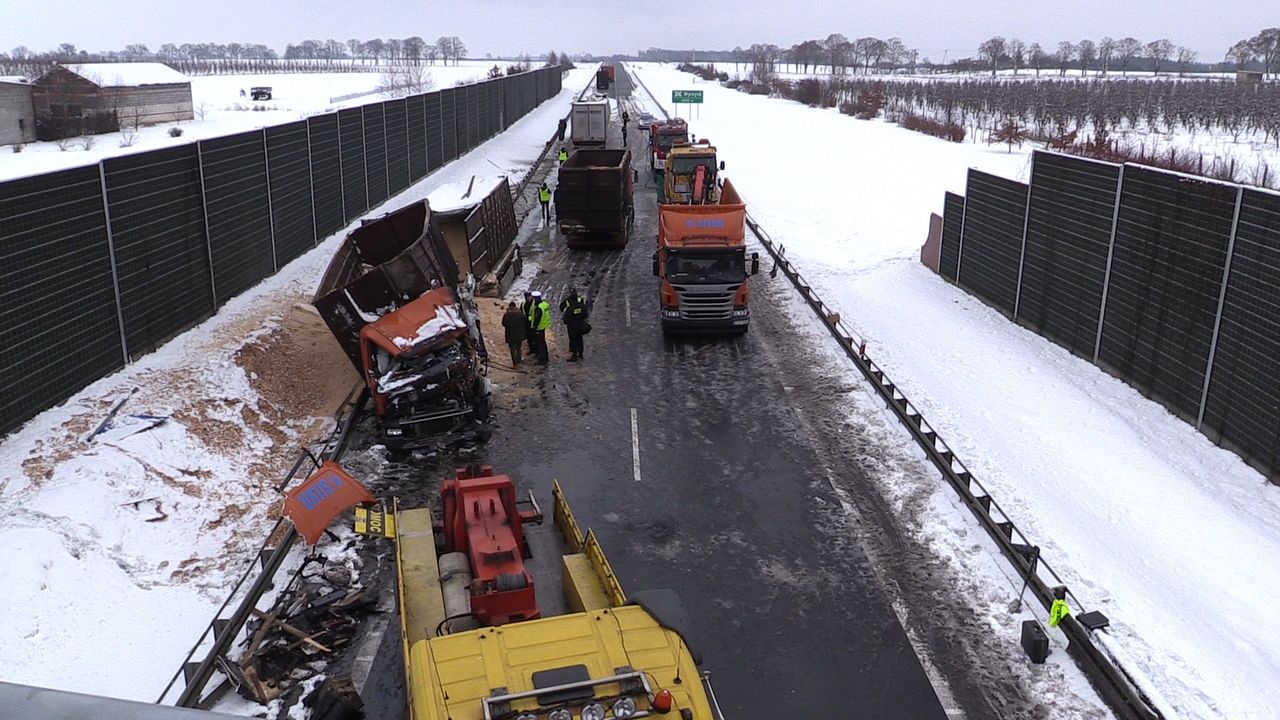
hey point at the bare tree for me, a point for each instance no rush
(1106, 51)
(992, 50)
(837, 47)
(1036, 57)
(1126, 50)
(1185, 56)
(1017, 52)
(1159, 51)
(356, 48)
(1241, 53)
(413, 47)
(1066, 53)
(1266, 46)
(1087, 52)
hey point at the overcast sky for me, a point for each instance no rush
(508, 27)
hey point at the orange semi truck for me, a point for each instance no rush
(701, 264)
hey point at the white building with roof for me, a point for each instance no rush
(88, 98)
(17, 115)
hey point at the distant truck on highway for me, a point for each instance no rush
(594, 198)
(701, 265)
(605, 77)
(590, 120)
(391, 298)
(662, 135)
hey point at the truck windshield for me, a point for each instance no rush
(666, 141)
(728, 266)
(687, 166)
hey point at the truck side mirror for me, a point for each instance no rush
(721, 164)
(655, 264)
(755, 263)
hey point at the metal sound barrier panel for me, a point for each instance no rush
(1069, 222)
(1166, 278)
(991, 245)
(58, 321)
(162, 254)
(289, 173)
(234, 169)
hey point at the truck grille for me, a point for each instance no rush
(706, 302)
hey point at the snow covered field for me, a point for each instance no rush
(1172, 537)
(219, 110)
(121, 549)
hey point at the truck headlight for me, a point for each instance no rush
(624, 708)
(395, 432)
(741, 312)
(670, 313)
(593, 711)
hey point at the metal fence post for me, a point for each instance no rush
(271, 208)
(364, 157)
(111, 255)
(204, 206)
(311, 185)
(1106, 275)
(964, 215)
(386, 154)
(1222, 299)
(1022, 256)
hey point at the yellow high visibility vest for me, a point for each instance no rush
(564, 155)
(543, 322)
(544, 194)
(1057, 611)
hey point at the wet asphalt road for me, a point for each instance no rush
(731, 508)
(752, 500)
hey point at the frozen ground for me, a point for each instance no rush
(220, 110)
(1169, 535)
(121, 549)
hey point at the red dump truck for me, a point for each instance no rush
(701, 264)
(391, 298)
(604, 77)
(594, 198)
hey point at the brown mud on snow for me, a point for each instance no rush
(513, 385)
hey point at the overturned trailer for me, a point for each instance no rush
(391, 297)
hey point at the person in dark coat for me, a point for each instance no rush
(516, 328)
(574, 310)
(527, 307)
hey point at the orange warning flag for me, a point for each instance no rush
(324, 496)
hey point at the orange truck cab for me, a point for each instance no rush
(423, 371)
(701, 264)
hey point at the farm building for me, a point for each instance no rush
(17, 119)
(101, 97)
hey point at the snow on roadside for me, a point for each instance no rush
(1167, 534)
(94, 571)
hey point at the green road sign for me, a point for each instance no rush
(686, 96)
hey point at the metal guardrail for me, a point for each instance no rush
(1118, 686)
(196, 674)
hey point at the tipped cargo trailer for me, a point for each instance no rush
(594, 198)
(391, 298)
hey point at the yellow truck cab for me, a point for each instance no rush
(690, 174)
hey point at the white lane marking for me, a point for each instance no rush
(635, 446)
(627, 300)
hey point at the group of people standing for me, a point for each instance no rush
(529, 323)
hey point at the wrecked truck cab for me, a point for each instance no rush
(392, 298)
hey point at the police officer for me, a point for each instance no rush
(574, 311)
(539, 320)
(544, 197)
(564, 155)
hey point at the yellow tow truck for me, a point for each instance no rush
(690, 174)
(476, 645)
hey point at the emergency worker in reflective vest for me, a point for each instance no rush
(564, 155)
(539, 321)
(1058, 610)
(574, 311)
(544, 197)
